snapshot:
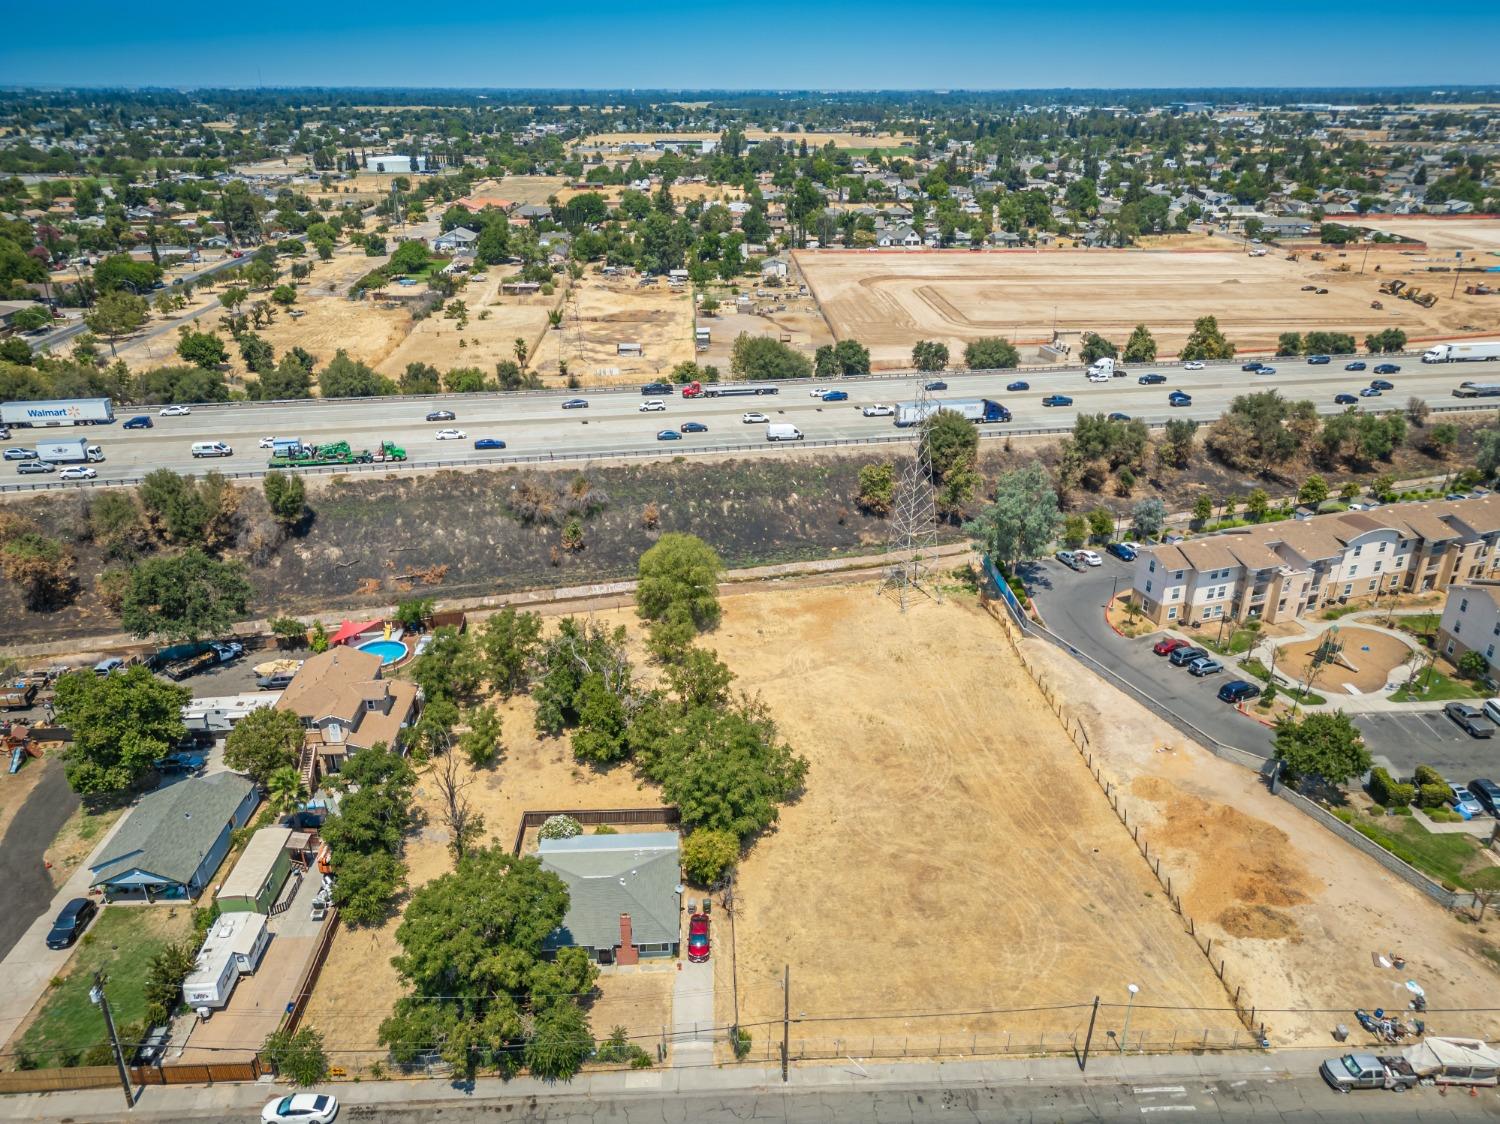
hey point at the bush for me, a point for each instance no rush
(1388, 791)
(560, 827)
(707, 853)
(1426, 774)
(1432, 795)
(1473, 665)
(617, 1049)
(739, 1042)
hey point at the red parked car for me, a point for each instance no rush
(698, 938)
(1168, 646)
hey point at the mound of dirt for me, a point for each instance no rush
(1258, 922)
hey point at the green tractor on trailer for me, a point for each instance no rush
(333, 453)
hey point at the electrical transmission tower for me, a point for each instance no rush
(914, 519)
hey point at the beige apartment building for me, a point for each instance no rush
(1282, 570)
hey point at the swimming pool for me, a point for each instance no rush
(389, 651)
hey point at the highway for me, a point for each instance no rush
(534, 424)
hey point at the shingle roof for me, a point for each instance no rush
(172, 829)
(607, 875)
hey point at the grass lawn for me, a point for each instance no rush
(1418, 624)
(1257, 670)
(1440, 688)
(1240, 641)
(1443, 857)
(121, 943)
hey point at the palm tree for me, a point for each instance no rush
(285, 790)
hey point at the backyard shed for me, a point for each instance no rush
(256, 880)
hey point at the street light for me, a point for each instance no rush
(1134, 990)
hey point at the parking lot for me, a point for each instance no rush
(1072, 604)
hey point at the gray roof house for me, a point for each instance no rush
(624, 894)
(174, 840)
(459, 240)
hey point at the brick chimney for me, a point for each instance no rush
(627, 953)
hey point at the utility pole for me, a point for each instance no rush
(786, 1017)
(1083, 1062)
(97, 996)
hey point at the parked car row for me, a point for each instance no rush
(1199, 661)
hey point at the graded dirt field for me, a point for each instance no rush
(1441, 233)
(890, 299)
(950, 854)
(608, 311)
(495, 322)
(1296, 915)
(1373, 655)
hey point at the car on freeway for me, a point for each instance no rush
(1013, 387)
(301, 1108)
(878, 410)
(1382, 384)
(140, 421)
(20, 454)
(1253, 365)
(266, 443)
(1178, 398)
(1205, 666)
(32, 468)
(1463, 802)
(450, 435)
(1319, 360)
(442, 415)
(836, 396)
(489, 443)
(698, 948)
(73, 919)
(1193, 365)
(1184, 656)
(693, 427)
(1264, 370)
(1470, 720)
(1070, 559)
(817, 392)
(173, 412)
(1238, 691)
(1167, 645)
(1124, 551)
(1344, 400)
(1057, 400)
(1090, 557)
(1487, 792)
(576, 404)
(1370, 392)
(652, 406)
(1152, 380)
(1117, 416)
(77, 472)
(668, 435)
(1357, 365)
(753, 417)
(936, 384)
(1388, 369)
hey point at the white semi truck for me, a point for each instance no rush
(1466, 351)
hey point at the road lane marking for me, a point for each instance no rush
(1169, 1108)
(1161, 1089)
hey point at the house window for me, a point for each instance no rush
(1373, 583)
(1489, 653)
(1448, 651)
(1148, 587)
(1152, 568)
(1348, 589)
(1357, 549)
(1280, 605)
(1172, 613)
(1218, 610)
(1176, 592)
(1463, 605)
(1496, 631)
(1458, 626)
(1178, 575)
(1377, 567)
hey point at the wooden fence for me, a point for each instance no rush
(310, 973)
(667, 817)
(106, 1076)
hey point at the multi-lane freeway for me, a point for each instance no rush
(536, 424)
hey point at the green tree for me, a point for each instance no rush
(508, 644)
(929, 355)
(1094, 347)
(707, 853)
(414, 612)
(1323, 745)
(285, 791)
(121, 725)
(762, 357)
(1177, 445)
(600, 736)
(1289, 343)
(679, 574)
(257, 353)
(1141, 346)
(1203, 508)
(349, 378)
(1075, 530)
(284, 295)
(1473, 665)
(561, 1041)
(286, 496)
(410, 257)
(1206, 341)
(450, 668)
(420, 378)
(877, 488)
(202, 349)
(186, 597)
(298, 1056)
(264, 741)
(1023, 519)
(949, 440)
(1314, 490)
(1258, 505)
(1101, 524)
(116, 314)
(1149, 517)
(991, 354)
(480, 743)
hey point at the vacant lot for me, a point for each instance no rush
(495, 322)
(1440, 233)
(889, 300)
(609, 311)
(950, 854)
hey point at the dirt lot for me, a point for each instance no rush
(485, 340)
(613, 310)
(950, 853)
(1295, 914)
(890, 299)
(1445, 234)
(1373, 653)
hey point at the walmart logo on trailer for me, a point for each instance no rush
(52, 412)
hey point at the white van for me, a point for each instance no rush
(1492, 710)
(211, 449)
(779, 431)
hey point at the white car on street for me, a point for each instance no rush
(1193, 365)
(173, 412)
(878, 410)
(77, 472)
(450, 435)
(301, 1108)
(653, 406)
(753, 416)
(268, 442)
(1090, 557)
(817, 392)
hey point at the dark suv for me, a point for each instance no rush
(1487, 793)
(653, 388)
(1184, 656)
(1238, 691)
(71, 922)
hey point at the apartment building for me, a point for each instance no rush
(1470, 621)
(1282, 570)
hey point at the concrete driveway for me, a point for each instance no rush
(25, 886)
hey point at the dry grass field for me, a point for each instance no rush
(889, 300)
(1441, 233)
(615, 310)
(495, 322)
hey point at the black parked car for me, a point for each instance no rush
(1184, 656)
(71, 922)
(1238, 691)
(1487, 793)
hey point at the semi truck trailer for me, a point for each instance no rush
(696, 389)
(1467, 351)
(977, 410)
(62, 411)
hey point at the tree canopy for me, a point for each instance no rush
(679, 575)
(186, 597)
(1321, 745)
(1023, 519)
(121, 724)
(264, 741)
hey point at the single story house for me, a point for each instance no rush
(257, 878)
(174, 840)
(459, 240)
(346, 706)
(624, 894)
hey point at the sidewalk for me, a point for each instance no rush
(167, 1102)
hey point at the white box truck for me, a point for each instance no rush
(63, 411)
(1467, 351)
(780, 431)
(73, 451)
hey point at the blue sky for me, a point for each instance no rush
(879, 44)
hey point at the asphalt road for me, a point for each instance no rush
(25, 888)
(534, 424)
